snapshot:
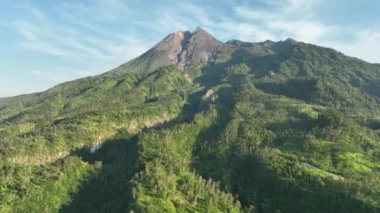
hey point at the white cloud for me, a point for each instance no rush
(308, 31)
(281, 19)
(10, 86)
(197, 13)
(110, 9)
(181, 16)
(278, 10)
(59, 74)
(11, 90)
(36, 72)
(97, 10)
(26, 29)
(299, 5)
(245, 31)
(54, 39)
(252, 14)
(297, 19)
(366, 45)
(46, 35)
(90, 50)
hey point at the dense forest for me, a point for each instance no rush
(262, 127)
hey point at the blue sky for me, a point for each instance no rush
(45, 42)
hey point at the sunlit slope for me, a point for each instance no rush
(196, 125)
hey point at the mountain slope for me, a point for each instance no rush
(196, 125)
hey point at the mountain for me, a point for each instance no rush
(198, 125)
(180, 49)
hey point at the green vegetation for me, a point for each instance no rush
(269, 127)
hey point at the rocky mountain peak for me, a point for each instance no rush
(183, 47)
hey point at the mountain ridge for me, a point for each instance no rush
(174, 56)
(197, 125)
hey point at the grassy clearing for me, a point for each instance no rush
(320, 172)
(356, 162)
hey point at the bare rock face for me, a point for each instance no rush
(172, 47)
(182, 48)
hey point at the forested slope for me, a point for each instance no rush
(226, 127)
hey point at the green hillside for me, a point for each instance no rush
(260, 127)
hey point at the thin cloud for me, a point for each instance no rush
(297, 19)
(10, 90)
(308, 31)
(245, 12)
(279, 20)
(45, 47)
(366, 45)
(36, 72)
(246, 31)
(44, 35)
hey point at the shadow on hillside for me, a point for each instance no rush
(108, 189)
(205, 161)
